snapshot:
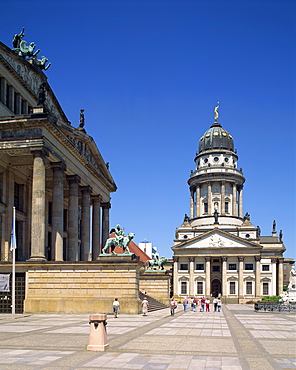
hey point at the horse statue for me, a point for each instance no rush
(41, 63)
(27, 50)
(156, 261)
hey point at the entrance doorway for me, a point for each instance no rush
(216, 288)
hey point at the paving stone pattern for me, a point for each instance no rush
(235, 339)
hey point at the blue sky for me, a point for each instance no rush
(149, 73)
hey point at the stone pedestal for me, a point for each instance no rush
(98, 335)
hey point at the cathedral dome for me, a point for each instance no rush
(216, 137)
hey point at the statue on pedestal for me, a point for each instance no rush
(156, 262)
(118, 241)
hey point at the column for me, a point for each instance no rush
(25, 107)
(208, 276)
(224, 276)
(209, 198)
(191, 203)
(223, 197)
(73, 252)
(274, 279)
(85, 222)
(38, 206)
(197, 204)
(10, 102)
(105, 222)
(8, 199)
(234, 206)
(3, 90)
(96, 226)
(280, 276)
(18, 103)
(258, 277)
(191, 276)
(175, 284)
(240, 201)
(58, 169)
(241, 276)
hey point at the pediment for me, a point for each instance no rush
(217, 239)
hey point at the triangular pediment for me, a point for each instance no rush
(217, 239)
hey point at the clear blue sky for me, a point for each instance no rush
(149, 73)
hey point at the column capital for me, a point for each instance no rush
(96, 198)
(87, 189)
(280, 260)
(241, 258)
(273, 260)
(39, 152)
(73, 179)
(191, 259)
(224, 259)
(257, 258)
(208, 259)
(58, 166)
(175, 258)
(106, 205)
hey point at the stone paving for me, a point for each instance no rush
(235, 339)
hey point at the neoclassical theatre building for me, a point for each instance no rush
(217, 250)
(51, 171)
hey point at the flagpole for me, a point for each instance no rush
(13, 266)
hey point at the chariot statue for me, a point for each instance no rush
(118, 241)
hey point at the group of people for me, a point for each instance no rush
(195, 304)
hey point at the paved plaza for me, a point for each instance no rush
(236, 338)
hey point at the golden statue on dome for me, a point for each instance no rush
(216, 111)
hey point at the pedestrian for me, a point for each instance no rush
(195, 304)
(215, 303)
(208, 305)
(116, 307)
(202, 302)
(219, 304)
(145, 306)
(185, 304)
(173, 306)
(192, 304)
(199, 305)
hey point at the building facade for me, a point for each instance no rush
(217, 250)
(51, 172)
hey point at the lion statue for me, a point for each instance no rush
(122, 241)
(156, 262)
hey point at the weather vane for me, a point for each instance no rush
(217, 112)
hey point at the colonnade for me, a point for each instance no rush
(276, 262)
(39, 219)
(195, 200)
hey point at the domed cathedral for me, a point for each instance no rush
(218, 251)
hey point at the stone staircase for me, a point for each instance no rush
(154, 304)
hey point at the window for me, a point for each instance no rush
(265, 289)
(216, 260)
(205, 207)
(265, 267)
(65, 221)
(216, 268)
(232, 287)
(200, 266)
(226, 207)
(232, 266)
(249, 287)
(49, 213)
(248, 266)
(183, 287)
(18, 196)
(199, 287)
(183, 266)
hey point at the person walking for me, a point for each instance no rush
(219, 304)
(145, 306)
(202, 302)
(208, 305)
(185, 304)
(192, 304)
(215, 303)
(115, 307)
(195, 304)
(173, 306)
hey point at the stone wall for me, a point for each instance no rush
(77, 287)
(156, 284)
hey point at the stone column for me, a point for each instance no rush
(209, 198)
(191, 276)
(8, 200)
(3, 90)
(258, 277)
(197, 204)
(73, 251)
(25, 107)
(85, 222)
(175, 284)
(280, 276)
(224, 276)
(241, 201)
(105, 222)
(18, 103)
(234, 205)
(274, 280)
(10, 102)
(96, 226)
(38, 206)
(191, 203)
(241, 276)
(58, 169)
(208, 276)
(223, 197)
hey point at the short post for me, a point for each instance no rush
(98, 333)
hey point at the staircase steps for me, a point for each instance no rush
(153, 303)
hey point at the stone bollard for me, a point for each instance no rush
(98, 333)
